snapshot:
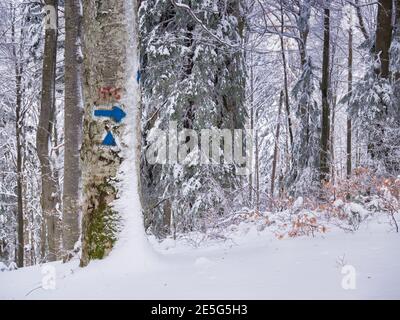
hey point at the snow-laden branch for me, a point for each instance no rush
(358, 5)
(214, 36)
(361, 21)
(8, 194)
(202, 25)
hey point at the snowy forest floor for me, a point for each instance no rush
(249, 264)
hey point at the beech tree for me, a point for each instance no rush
(109, 143)
(325, 126)
(49, 193)
(73, 111)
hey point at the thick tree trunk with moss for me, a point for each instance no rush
(110, 46)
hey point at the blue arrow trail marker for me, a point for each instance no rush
(138, 76)
(117, 114)
(109, 140)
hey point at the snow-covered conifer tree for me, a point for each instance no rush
(198, 81)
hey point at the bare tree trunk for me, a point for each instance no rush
(167, 209)
(251, 121)
(361, 21)
(20, 210)
(383, 41)
(383, 38)
(32, 240)
(332, 139)
(43, 240)
(277, 134)
(285, 77)
(257, 169)
(110, 54)
(18, 133)
(396, 35)
(349, 90)
(302, 150)
(49, 185)
(54, 156)
(333, 101)
(324, 153)
(73, 111)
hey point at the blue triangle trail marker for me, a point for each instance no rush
(109, 140)
(117, 114)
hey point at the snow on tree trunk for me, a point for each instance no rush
(110, 184)
(377, 146)
(303, 176)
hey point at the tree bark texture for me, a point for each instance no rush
(49, 198)
(108, 45)
(73, 110)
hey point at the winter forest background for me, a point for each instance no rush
(317, 81)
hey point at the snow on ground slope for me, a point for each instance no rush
(250, 265)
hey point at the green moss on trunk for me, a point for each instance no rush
(103, 224)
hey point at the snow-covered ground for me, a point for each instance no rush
(250, 265)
